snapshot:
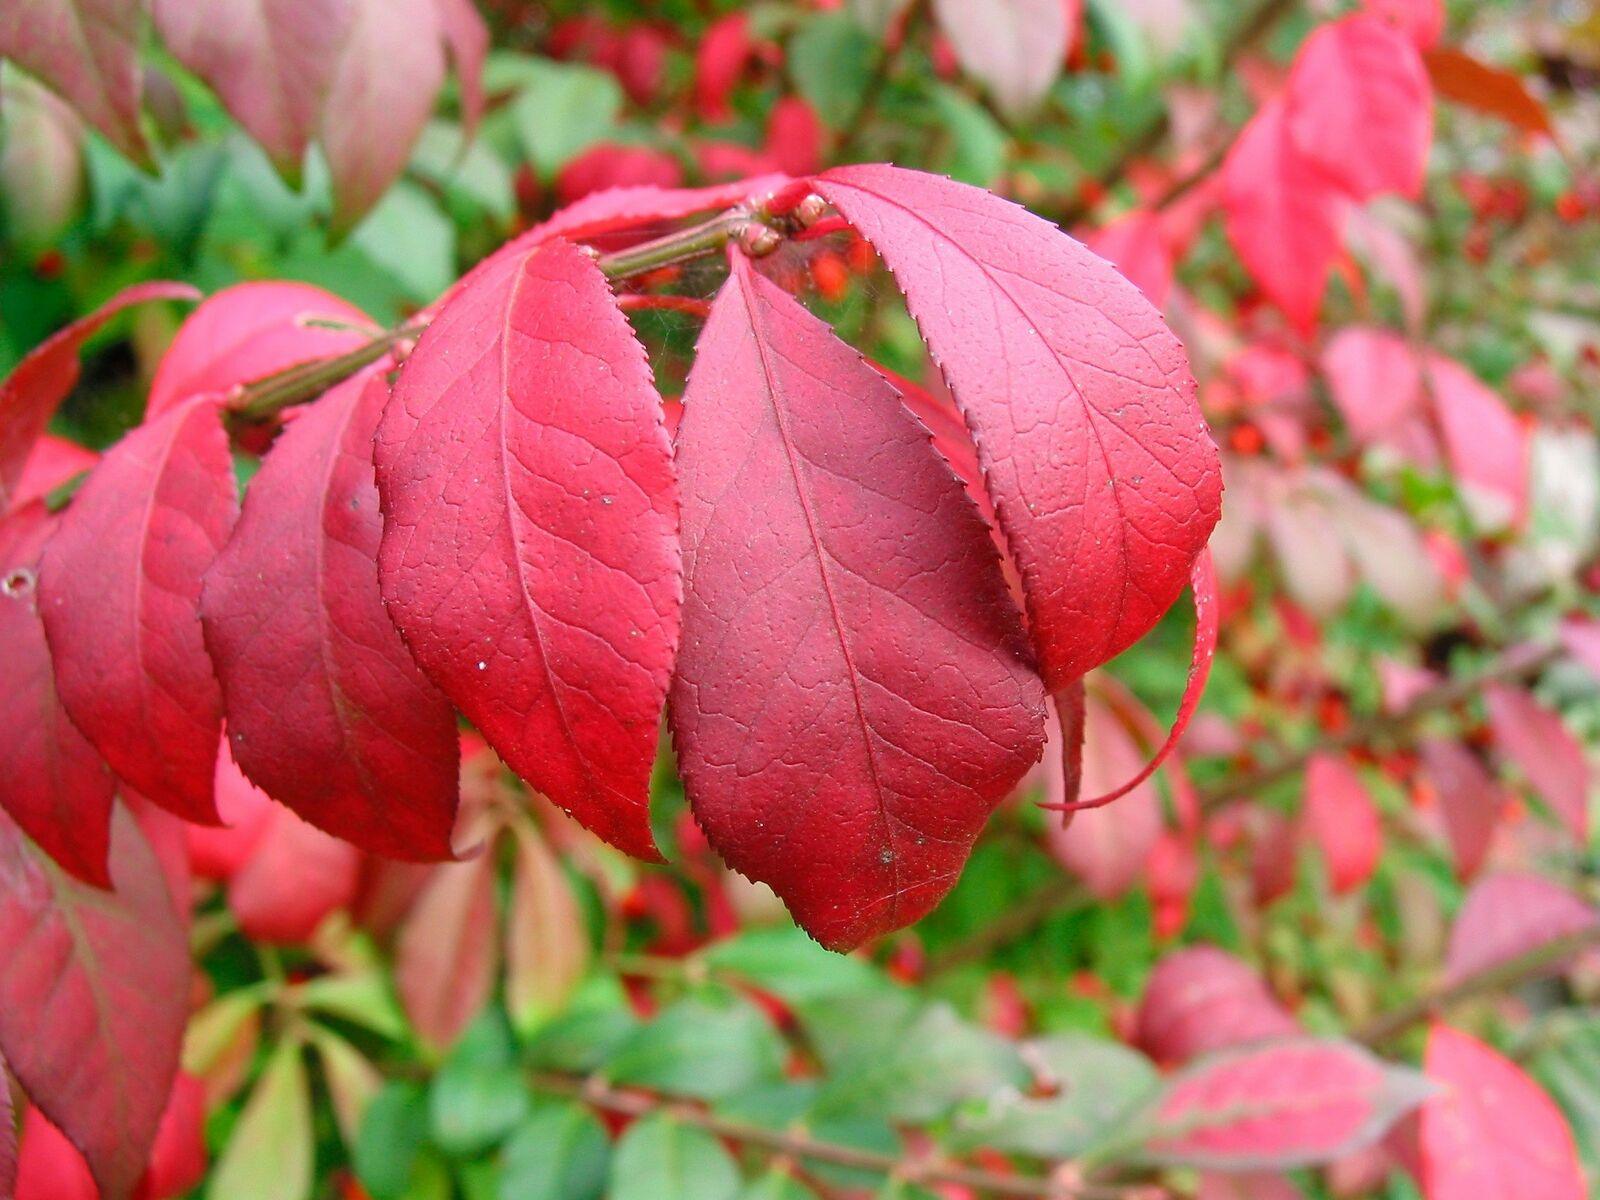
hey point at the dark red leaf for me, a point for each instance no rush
(94, 994)
(1493, 1134)
(1485, 89)
(1279, 1105)
(1283, 216)
(1508, 915)
(250, 331)
(1548, 755)
(30, 394)
(119, 591)
(1360, 108)
(1470, 801)
(1201, 999)
(1079, 397)
(852, 696)
(1341, 822)
(325, 710)
(530, 554)
(52, 781)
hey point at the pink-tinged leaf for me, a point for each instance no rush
(52, 782)
(1580, 636)
(449, 949)
(31, 393)
(325, 709)
(1279, 1105)
(1375, 378)
(1360, 107)
(54, 461)
(1136, 245)
(270, 62)
(94, 990)
(42, 174)
(467, 39)
(119, 591)
(88, 50)
(1283, 216)
(1108, 848)
(1202, 999)
(1489, 90)
(294, 876)
(1014, 47)
(1272, 856)
(1486, 445)
(1341, 822)
(1493, 1133)
(1420, 20)
(1551, 759)
(853, 695)
(1508, 915)
(249, 331)
(220, 852)
(547, 937)
(530, 554)
(1080, 400)
(379, 97)
(1392, 257)
(1470, 801)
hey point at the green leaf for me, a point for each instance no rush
(474, 1107)
(474, 175)
(352, 1081)
(831, 60)
(660, 1158)
(388, 1156)
(1096, 1085)
(270, 1153)
(409, 238)
(1567, 1063)
(562, 110)
(978, 143)
(581, 1041)
(560, 1152)
(705, 1046)
(787, 963)
(364, 999)
(777, 1185)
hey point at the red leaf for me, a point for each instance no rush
(1488, 90)
(1508, 915)
(50, 1167)
(1375, 378)
(719, 60)
(8, 1138)
(449, 949)
(30, 394)
(530, 554)
(1135, 243)
(1201, 999)
(53, 462)
(1360, 108)
(1420, 20)
(325, 709)
(94, 992)
(1470, 801)
(852, 696)
(1553, 761)
(88, 50)
(1487, 446)
(1341, 821)
(250, 331)
(1280, 1105)
(219, 853)
(611, 165)
(294, 877)
(1108, 849)
(1015, 47)
(1493, 1134)
(795, 136)
(119, 591)
(52, 782)
(1080, 399)
(1283, 216)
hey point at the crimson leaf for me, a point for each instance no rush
(852, 696)
(325, 709)
(530, 554)
(119, 591)
(1080, 400)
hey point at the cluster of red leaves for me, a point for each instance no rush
(798, 578)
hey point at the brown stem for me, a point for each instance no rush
(801, 1146)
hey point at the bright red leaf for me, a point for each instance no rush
(325, 709)
(119, 591)
(1341, 822)
(1508, 915)
(611, 165)
(529, 554)
(1360, 108)
(52, 782)
(250, 331)
(1200, 999)
(1136, 244)
(843, 606)
(1548, 755)
(1493, 1134)
(94, 991)
(720, 58)
(31, 393)
(1104, 476)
